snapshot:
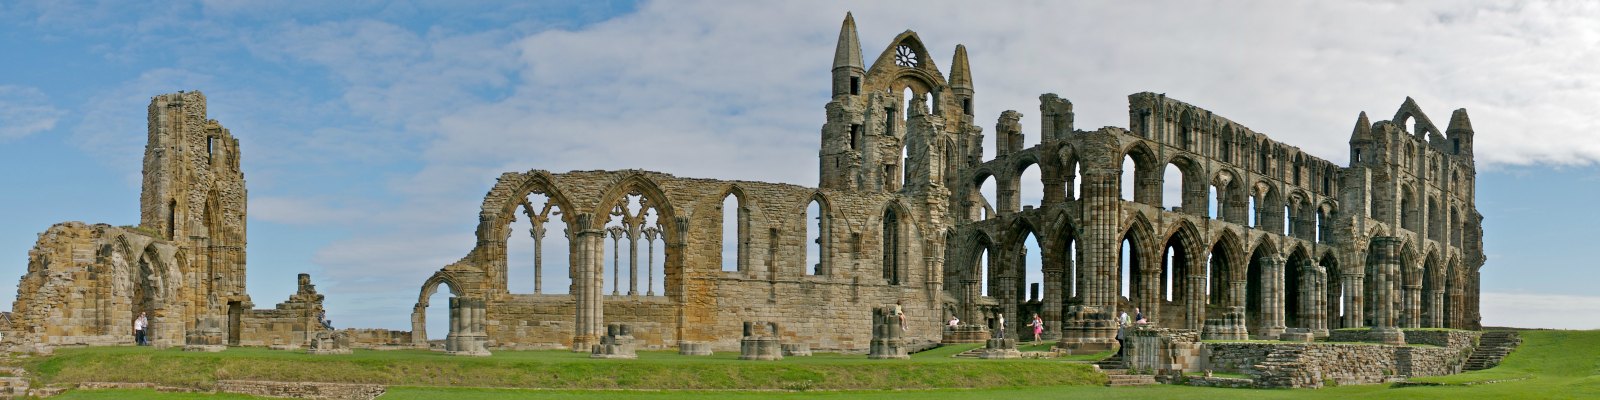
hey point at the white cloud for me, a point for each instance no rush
(736, 90)
(25, 111)
(1522, 310)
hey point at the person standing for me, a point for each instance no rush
(1122, 332)
(1002, 323)
(1038, 328)
(138, 329)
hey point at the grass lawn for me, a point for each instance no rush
(1549, 364)
(555, 370)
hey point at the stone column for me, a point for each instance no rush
(1436, 314)
(650, 264)
(1413, 302)
(587, 280)
(1194, 298)
(1088, 327)
(538, 252)
(1385, 252)
(1147, 294)
(1314, 287)
(1272, 304)
(617, 233)
(1353, 301)
(1052, 297)
(633, 256)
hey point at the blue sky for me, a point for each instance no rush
(371, 130)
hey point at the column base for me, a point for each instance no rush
(1387, 335)
(1087, 330)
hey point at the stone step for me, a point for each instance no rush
(1129, 380)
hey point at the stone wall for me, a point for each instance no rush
(302, 390)
(87, 283)
(1313, 364)
(378, 338)
(1442, 338)
(823, 305)
(290, 325)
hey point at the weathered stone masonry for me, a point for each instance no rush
(1393, 240)
(183, 265)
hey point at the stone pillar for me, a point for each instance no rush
(587, 280)
(650, 234)
(1313, 289)
(1194, 298)
(538, 252)
(1436, 308)
(1147, 294)
(1054, 294)
(1353, 299)
(1413, 302)
(617, 233)
(1272, 304)
(633, 257)
(1088, 327)
(1385, 252)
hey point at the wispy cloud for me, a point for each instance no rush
(25, 111)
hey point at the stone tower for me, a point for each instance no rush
(898, 125)
(194, 196)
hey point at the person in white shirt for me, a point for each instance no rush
(138, 329)
(954, 321)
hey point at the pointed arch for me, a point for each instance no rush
(818, 228)
(1146, 174)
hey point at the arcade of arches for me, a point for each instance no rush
(1195, 220)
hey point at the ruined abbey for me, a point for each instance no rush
(1269, 242)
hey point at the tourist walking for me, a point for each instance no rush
(138, 330)
(1038, 328)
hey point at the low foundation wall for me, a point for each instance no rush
(1275, 365)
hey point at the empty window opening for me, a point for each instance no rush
(538, 238)
(855, 85)
(1128, 181)
(1033, 270)
(1172, 188)
(1253, 213)
(733, 229)
(891, 247)
(816, 221)
(1213, 208)
(438, 312)
(983, 272)
(1288, 221)
(1030, 186)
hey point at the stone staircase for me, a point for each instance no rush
(1493, 346)
(13, 382)
(1116, 376)
(970, 353)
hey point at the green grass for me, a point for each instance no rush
(553, 369)
(140, 394)
(1549, 364)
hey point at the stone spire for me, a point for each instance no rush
(1459, 122)
(848, 52)
(1363, 130)
(1460, 133)
(960, 73)
(848, 69)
